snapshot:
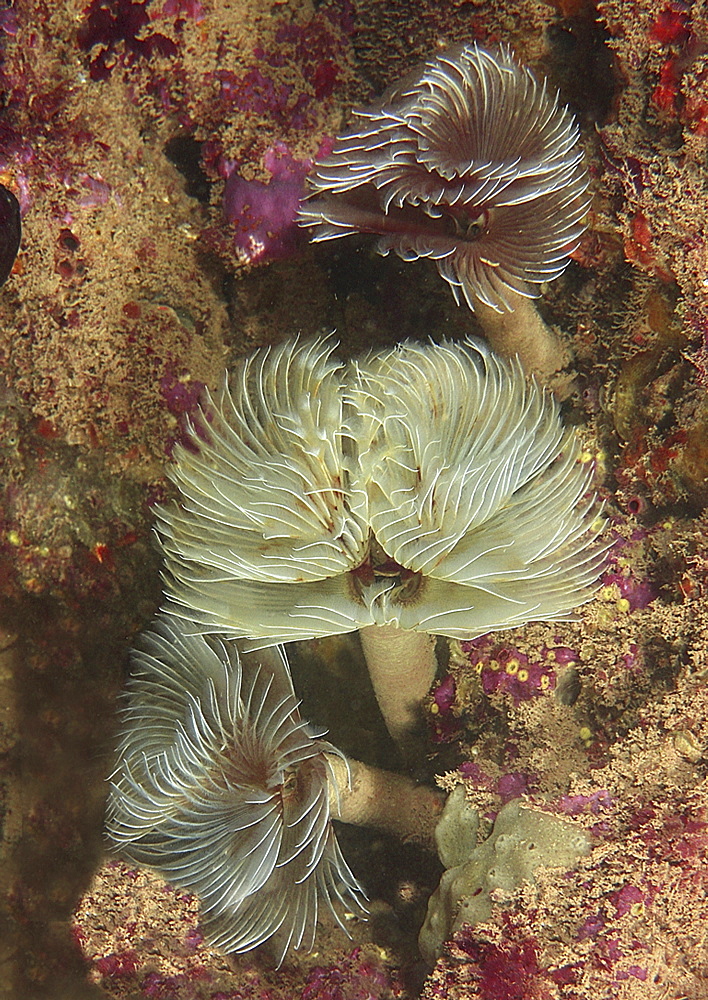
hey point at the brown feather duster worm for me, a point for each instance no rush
(469, 161)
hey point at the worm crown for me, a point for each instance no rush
(428, 486)
(224, 790)
(469, 161)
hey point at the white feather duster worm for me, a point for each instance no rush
(272, 513)
(470, 161)
(451, 501)
(478, 500)
(269, 480)
(225, 790)
(479, 507)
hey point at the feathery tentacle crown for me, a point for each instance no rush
(469, 161)
(223, 789)
(427, 486)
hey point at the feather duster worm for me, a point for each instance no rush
(471, 162)
(224, 790)
(228, 793)
(425, 489)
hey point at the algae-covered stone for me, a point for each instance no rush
(522, 840)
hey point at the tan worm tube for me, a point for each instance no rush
(402, 667)
(368, 796)
(523, 332)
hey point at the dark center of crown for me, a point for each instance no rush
(378, 565)
(470, 223)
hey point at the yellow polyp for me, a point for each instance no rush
(14, 538)
(686, 744)
(479, 666)
(585, 734)
(605, 617)
(638, 909)
(623, 605)
(523, 675)
(494, 664)
(435, 709)
(545, 682)
(512, 666)
(608, 593)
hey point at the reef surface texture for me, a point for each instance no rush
(158, 150)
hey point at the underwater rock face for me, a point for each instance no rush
(116, 315)
(522, 840)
